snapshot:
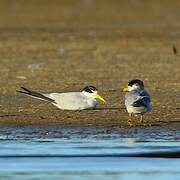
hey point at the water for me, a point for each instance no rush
(89, 153)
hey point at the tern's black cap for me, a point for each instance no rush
(136, 81)
(90, 89)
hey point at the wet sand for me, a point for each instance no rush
(67, 50)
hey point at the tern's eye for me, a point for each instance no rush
(90, 89)
(136, 82)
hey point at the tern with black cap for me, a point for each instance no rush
(137, 100)
(88, 98)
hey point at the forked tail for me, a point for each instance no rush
(35, 95)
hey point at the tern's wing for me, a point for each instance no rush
(35, 94)
(70, 100)
(138, 99)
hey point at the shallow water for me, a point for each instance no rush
(89, 153)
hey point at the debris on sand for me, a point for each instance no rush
(174, 49)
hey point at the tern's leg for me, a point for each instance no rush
(142, 119)
(130, 119)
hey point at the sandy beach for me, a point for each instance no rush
(105, 45)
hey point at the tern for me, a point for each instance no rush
(137, 100)
(88, 98)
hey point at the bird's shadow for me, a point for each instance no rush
(95, 109)
(103, 109)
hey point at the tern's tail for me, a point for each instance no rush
(35, 95)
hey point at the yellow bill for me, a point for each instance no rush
(100, 98)
(125, 89)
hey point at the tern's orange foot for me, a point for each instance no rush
(130, 122)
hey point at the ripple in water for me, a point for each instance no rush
(86, 153)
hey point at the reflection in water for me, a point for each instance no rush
(86, 153)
